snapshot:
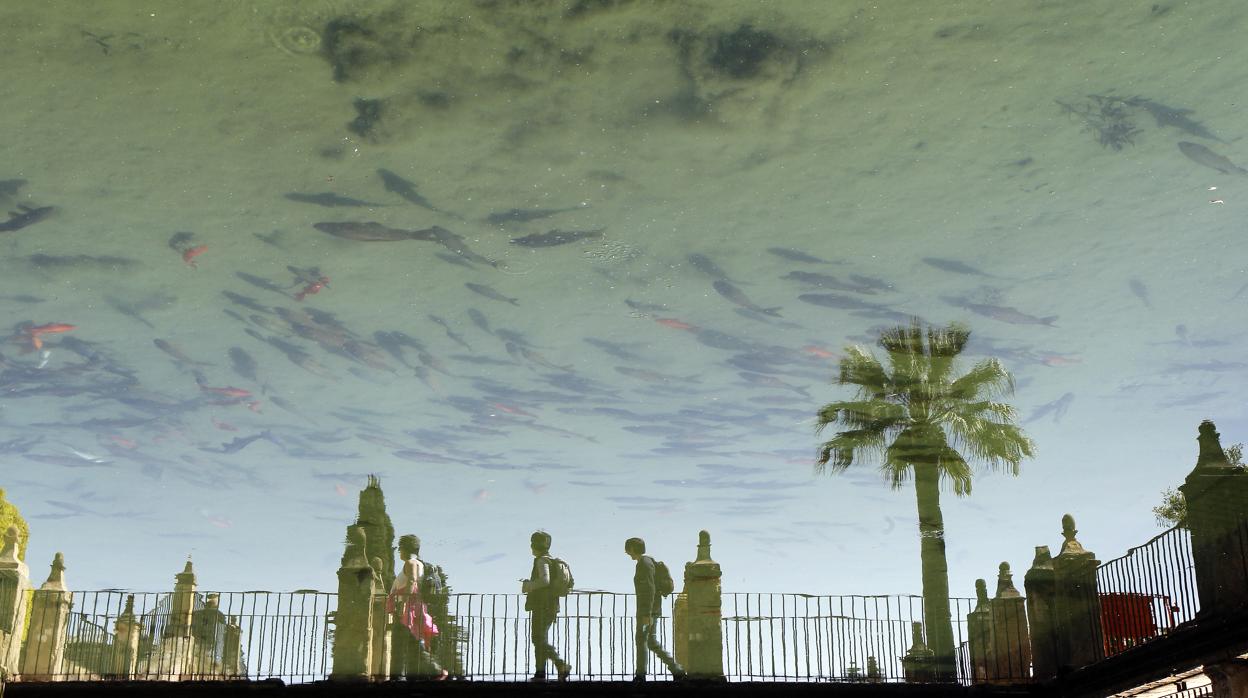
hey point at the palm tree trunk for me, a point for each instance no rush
(936, 618)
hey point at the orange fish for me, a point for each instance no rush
(227, 391)
(36, 333)
(312, 288)
(819, 352)
(191, 253)
(673, 323)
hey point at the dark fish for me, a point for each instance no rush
(522, 215)
(557, 237)
(390, 342)
(329, 199)
(871, 282)
(178, 355)
(243, 364)
(240, 443)
(1201, 155)
(455, 244)
(827, 281)
(704, 264)
(794, 255)
(1174, 118)
(654, 376)
(425, 457)
(613, 348)
(369, 231)
(130, 310)
(179, 241)
(260, 282)
(270, 239)
(954, 266)
(1141, 292)
(24, 216)
(455, 259)
(1057, 408)
(22, 298)
(478, 319)
(645, 307)
(832, 300)
(407, 190)
(767, 381)
(1002, 313)
(734, 294)
(454, 336)
(49, 261)
(490, 293)
(246, 302)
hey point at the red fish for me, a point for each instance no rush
(191, 253)
(227, 391)
(35, 334)
(673, 323)
(819, 352)
(312, 288)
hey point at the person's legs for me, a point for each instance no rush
(541, 622)
(652, 643)
(643, 653)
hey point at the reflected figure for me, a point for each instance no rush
(542, 599)
(649, 608)
(907, 416)
(414, 628)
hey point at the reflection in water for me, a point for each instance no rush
(570, 262)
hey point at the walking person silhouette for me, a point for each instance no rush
(649, 608)
(541, 600)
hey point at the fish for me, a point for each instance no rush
(407, 191)
(1201, 155)
(645, 307)
(490, 293)
(955, 267)
(260, 282)
(329, 200)
(768, 381)
(523, 215)
(246, 301)
(1057, 408)
(734, 294)
(130, 310)
(1141, 291)
(188, 257)
(49, 261)
(1003, 313)
(25, 216)
(240, 442)
(451, 334)
(181, 240)
(519, 352)
(369, 231)
(557, 237)
(1172, 117)
(313, 287)
(795, 255)
(613, 348)
(243, 364)
(455, 244)
(478, 318)
(704, 264)
(654, 376)
(10, 187)
(832, 300)
(23, 298)
(35, 333)
(871, 282)
(454, 259)
(827, 281)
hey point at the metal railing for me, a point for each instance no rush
(1148, 591)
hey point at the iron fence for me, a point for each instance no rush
(1148, 591)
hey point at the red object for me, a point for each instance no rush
(193, 252)
(673, 323)
(415, 616)
(36, 333)
(1127, 620)
(228, 392)
(312, 288)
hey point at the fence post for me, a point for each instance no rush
(353, 620)
(919, 664)
(979, 632)
(1041, 585)
(44, 653)
(1217, 515)
(380, 666)
(703, 609)
(126, 643)
(1077, 603)
(1011, 641)
(14, 582)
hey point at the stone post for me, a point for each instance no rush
(873, 670)
(1078, 605)
(703, 628)
(1010, 656)
(44, 653)
(353, 621)
(919, 664)
(1217, 515)
(979, 632)
(208, 632)
(14, 582)
(126, 642)
(1040, 585)
(232, 650)
(680, 627)
(182, 605)
(380, 666)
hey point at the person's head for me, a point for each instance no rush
(409, 544)
(540, 542)
(635, 547)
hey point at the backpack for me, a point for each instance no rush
(561, 580)
(663, 584)
(432, 583)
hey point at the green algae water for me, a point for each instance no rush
(590, 267)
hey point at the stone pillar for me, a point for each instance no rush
(979, 632)
(1040, 585)
(44, 653)
(208, 632)
(1217, 515)
(353, 621)
(232, 650)
(873, 670)
(919, 664)
(182, 605)
(1229, 678)
(1009, 660)
(680, 627)
(380, 664)
(703, 611)
(126, 642)
(1078, 605)
(14, 582)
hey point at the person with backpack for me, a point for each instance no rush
(651, 581)
(414, 629)
(549, 580)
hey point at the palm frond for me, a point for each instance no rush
(986, 379)
(860, 414)
(839, 452)
(944, 346)
(859, 368)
